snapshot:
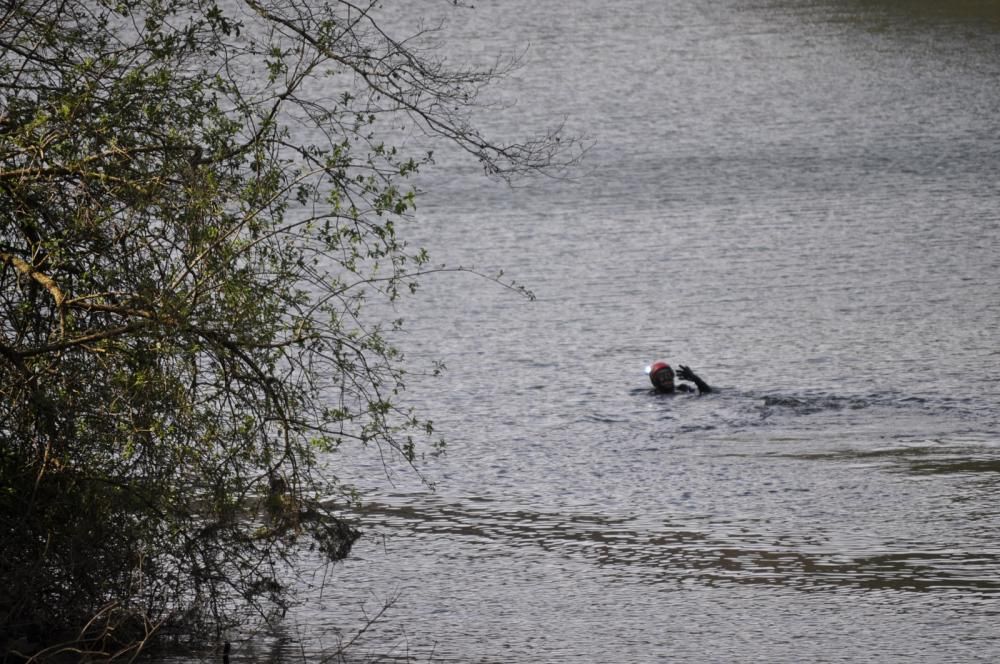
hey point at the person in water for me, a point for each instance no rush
(661, 375)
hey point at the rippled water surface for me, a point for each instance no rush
(798, 199)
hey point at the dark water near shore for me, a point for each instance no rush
(800, 200)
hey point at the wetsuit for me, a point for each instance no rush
(663, 380)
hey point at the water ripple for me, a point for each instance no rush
(712, 553)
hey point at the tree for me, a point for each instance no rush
(196, 199)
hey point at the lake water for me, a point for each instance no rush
(801, 200)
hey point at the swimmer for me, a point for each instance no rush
(662, 378)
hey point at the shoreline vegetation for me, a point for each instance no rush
(198, 199)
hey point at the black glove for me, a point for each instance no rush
(685, 373)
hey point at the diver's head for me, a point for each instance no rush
(661, 376)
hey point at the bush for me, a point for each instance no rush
(197, 199)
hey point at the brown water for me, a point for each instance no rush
(799, 199)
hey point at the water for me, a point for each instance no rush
(798, 199)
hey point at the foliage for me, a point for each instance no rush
(197, 198)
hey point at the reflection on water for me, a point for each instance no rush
(679, 553)
(960, 465)
(975, 12)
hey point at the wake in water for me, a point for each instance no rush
(899, 414)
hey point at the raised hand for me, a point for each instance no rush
(685, 373)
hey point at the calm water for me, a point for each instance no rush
(800, 200)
